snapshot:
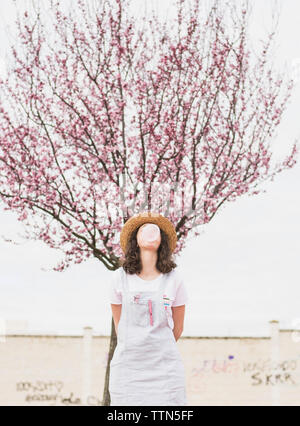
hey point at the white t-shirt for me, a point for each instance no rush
(175, 287)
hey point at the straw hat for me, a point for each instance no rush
(148, 217)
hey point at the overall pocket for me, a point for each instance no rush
(142, 311)
(167, 303)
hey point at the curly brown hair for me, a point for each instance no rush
(132, 262)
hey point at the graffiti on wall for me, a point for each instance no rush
(228, 365)
(199, 375)
(268, 373)
(262, 372)
(52, 393)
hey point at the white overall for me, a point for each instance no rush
(146, 367)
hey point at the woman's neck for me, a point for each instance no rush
(148, 260)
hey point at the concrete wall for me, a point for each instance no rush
(68, 370)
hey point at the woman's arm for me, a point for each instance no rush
(178, 318)
(116, 313)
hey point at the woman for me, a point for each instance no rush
(148, 304)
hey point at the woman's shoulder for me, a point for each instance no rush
(116, 276)
(175, 274)
(123, 272)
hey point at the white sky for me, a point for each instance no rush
(241, 272)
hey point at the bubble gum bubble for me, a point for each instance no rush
(150, 233)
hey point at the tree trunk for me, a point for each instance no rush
(112, 345)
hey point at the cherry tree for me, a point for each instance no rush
(101, 119)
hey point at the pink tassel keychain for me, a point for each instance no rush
(150, 310)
